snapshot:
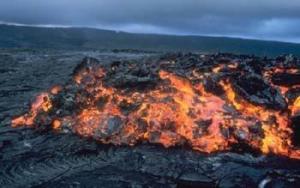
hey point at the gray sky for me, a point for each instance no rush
(261, 19)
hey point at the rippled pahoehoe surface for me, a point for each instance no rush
(47, 158)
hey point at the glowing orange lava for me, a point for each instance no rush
(176, 111)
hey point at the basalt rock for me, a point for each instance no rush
(210, 103)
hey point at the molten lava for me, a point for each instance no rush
(175, 110)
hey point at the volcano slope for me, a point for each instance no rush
(189, 119)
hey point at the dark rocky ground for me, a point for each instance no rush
(33, 159)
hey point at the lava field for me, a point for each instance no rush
(186, 114)
(209, 103)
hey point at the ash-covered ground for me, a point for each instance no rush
(30, 158)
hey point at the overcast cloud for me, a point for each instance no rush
(261, 19)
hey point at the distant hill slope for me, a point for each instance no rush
(85, 38)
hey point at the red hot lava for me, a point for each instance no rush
(177, 109)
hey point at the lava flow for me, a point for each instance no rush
(210, 103)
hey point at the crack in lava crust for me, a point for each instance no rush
(212, 105)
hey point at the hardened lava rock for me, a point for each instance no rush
(210, 103)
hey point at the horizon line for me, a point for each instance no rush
(149, 33)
